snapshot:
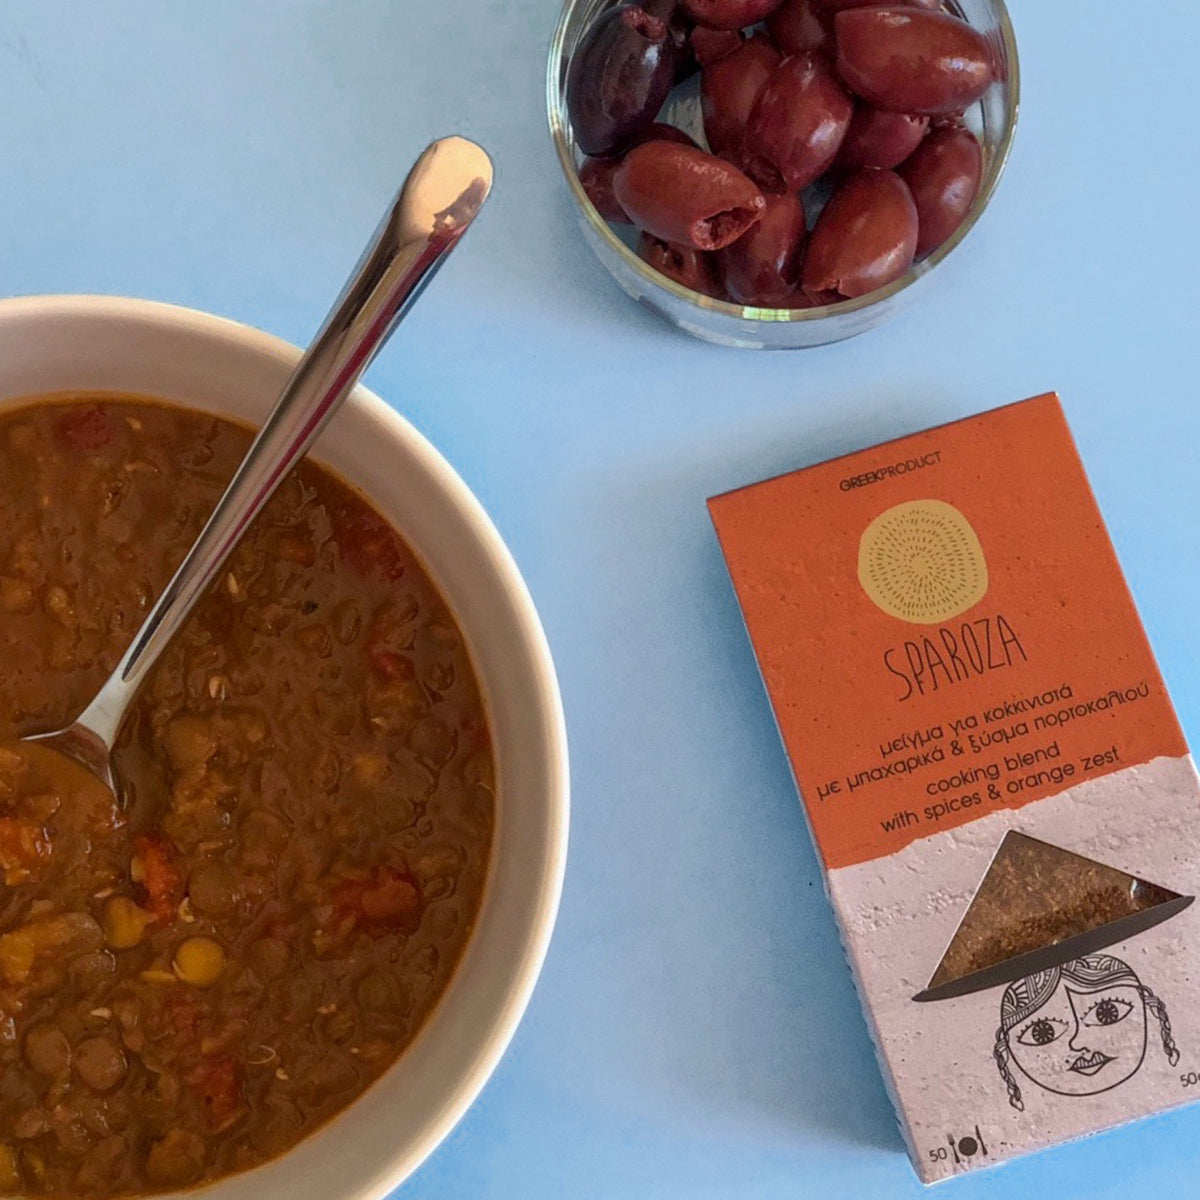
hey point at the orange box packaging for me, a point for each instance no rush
(1002, 798)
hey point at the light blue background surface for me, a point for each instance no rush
(695, 1033)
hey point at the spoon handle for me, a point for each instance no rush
(440, 198)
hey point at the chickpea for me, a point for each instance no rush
(189, 742)
(16, 596)
(200, 961)
(158, 977)
(124, 923)
(10, 1176)
(176, 1159)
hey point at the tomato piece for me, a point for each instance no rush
(386, 901)
(296, 547)
(85, 428)
(218, 1082)
(368, 545)
(156, 870)
(23, 845)
(389, 665)
(67, 933)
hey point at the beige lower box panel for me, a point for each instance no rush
(1068, 1052)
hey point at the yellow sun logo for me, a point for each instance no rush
(921, 562)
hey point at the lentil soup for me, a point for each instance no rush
(193, 982)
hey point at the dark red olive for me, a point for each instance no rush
(618, 79)
(948, 120)
(596, 174)
(660, 131)
(797, 124)
(673, 17)
(679, 26)
(802, 299)
(684, 264)
(800, 25)
(878, 138)
(685, 196)
(729, 88)
(943, 176)
(728, 14)
(836, 6)
(797, 26)
(865, 237)
(763, 266)
(910, 60)
(710, 44)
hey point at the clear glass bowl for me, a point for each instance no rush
(994, 120)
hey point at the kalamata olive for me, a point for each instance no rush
(672, 16)
(910, 60)
(596, 174)
(710, 44)
(947, 120)
(836, 6)
(679, 26)
(618, 79)
(729, 89)
(797, 124)
(763, 266)
(800, 25)
(686, 265)
(797, 26)
(943, 176)
(685, 196)
(865, 237)
(660, 131)
(728, 14)
(879, 138)
(802, 299)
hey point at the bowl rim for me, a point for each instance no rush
(777, 316)
(515, 990)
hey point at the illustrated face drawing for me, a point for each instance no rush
(1078, 1029)
(1083, 1042)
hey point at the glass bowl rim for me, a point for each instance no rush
(743, 312)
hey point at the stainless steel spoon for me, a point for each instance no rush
(440, 198)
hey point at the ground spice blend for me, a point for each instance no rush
(1002, 798)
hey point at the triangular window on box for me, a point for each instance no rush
(1036, 896)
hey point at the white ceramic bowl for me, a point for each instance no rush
(53, 344)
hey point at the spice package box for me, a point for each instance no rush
(1004, 805)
